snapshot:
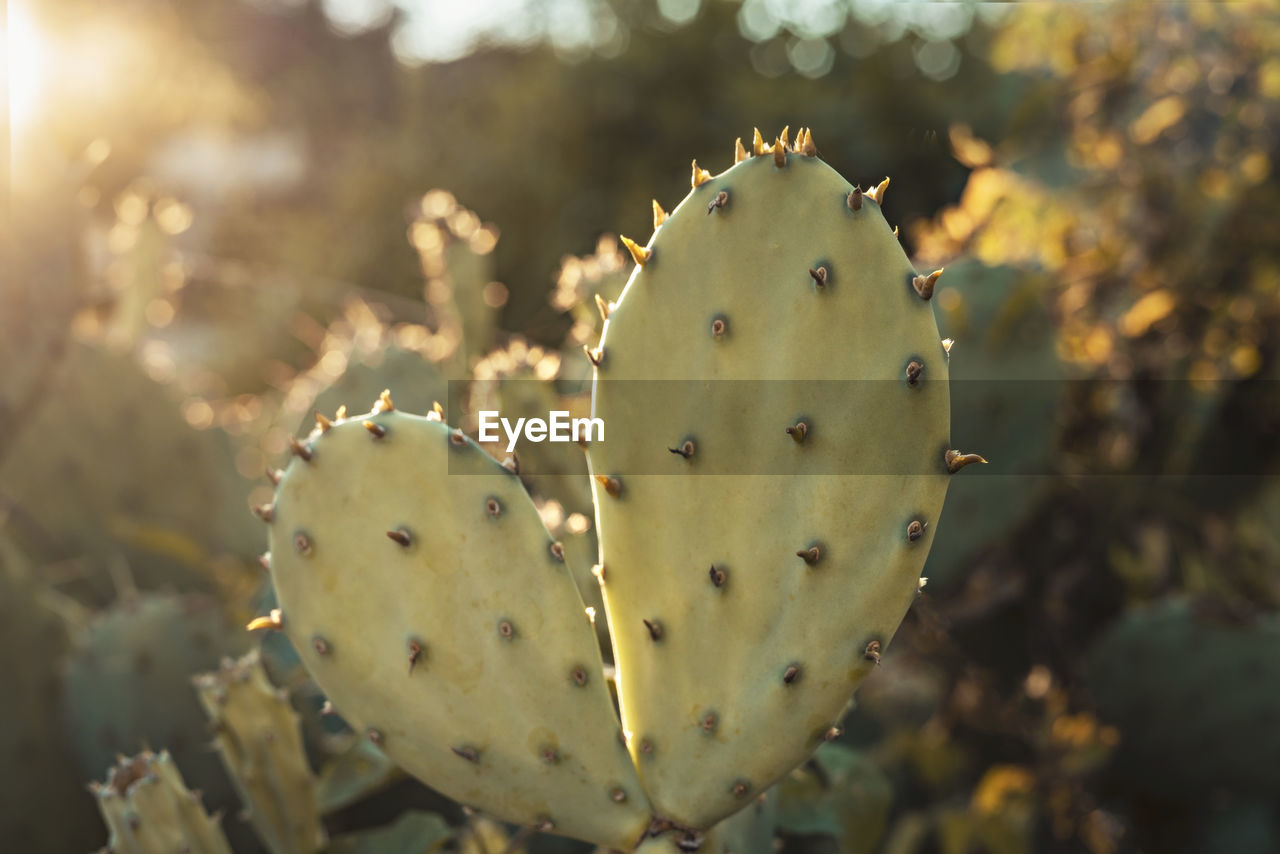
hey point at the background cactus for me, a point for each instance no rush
(149, 810)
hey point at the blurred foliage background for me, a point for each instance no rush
(222, 216)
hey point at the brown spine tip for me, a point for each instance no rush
(719, 326)
(275, 476)
(872, 652)
(832, 733)
(457, 437)
(659, 215)
(791, 674)
(545, 825)
(302, 543)
(956, 460)
(466, 752)
(299, 450)
(854, 199)
(512, 463)
(685, 449)
(819, 276)
(323, 422)
(506, 630)
(603, 306)
(924, 284)
(375, 736)
(655, 629)
(739, 151)
(740, 789)
(638, 253)
(579, 676)
(618, 795)
(718, 575)
(493, 507)
(400, 536)
(273, 621)
(320, 645)
(611, 485)
(557, 551)
(375, 429)
(915, 530)
(914, 370)
(264, 561)
(811, 555)
(877, 195)
(779, 153)
(700, 176)
(415, 653)
(709, 721)
(798, 431)
(383, 403)
(721, 199)
(265, 512)
(595, 355)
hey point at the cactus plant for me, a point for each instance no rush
(149, 810)
(776, 397)
(257, 734)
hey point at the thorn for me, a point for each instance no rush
(383, 403)
(914, 369)
(557, 551)
(872, 652)
(415, 652)
(400, 536)
(854, 200)
(811, 555)
(603, 306)
(546, 825)
(299, 450)
(264, 560)
(638, 253)
(739, 152)
(467, 753)
(265, 512)
(779, 153)
(512, 463)
(915, 530)
(327, 709)
(718, 576)
(740, 788)
(832, 733)
(685, 450)
(920, 586)
(798, 431)
(947, 344)
(655, 629)
(437, 412)
(721, 199)
(895, 232)
(709, 721)
(924, 284)
(719, 326)
(659, 215)
(700, 176)
(598, 572)
(758, 145)
(322, 422)
(808, 149)
(375, 736)
(611, 485)
(376, 429)
(273, 621)
(956, 460)
(341, 413)
(791, 674)
(877, 195)
(493, 507)
(274, 475)
(320, 645)
(302, 543)
(782, 138)
(457, 437)
(819, 276)
(594, 356)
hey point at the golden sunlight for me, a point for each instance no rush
(26, 57)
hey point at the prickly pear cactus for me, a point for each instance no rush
(257, 734)
(128, 685)
(1150, 675)
(433, 608)
(775, 396)
(585, 288)
(43, 808)
(149, 810)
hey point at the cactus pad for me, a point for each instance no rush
(149, 810)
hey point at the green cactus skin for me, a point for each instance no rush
(43, 808)
(744, 607)
(127, 685)
(432, 607)
(149, 810)
(1152, 675)
(258, 736)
